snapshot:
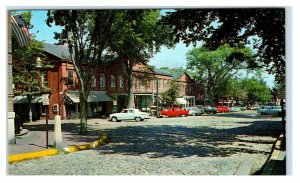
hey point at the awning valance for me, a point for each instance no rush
(94, 96)
(181, 101)
(24, 100)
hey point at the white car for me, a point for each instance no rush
(129, 114)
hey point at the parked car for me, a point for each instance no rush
(222, 108)
(270, 110)
(262, 109)
(129, 114)
(243, 108)
(174, 112)
(194, 111)
(234, 109)
(209, 109)
(253, 107)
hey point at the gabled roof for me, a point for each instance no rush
(60, 51)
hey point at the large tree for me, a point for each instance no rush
(215, 68)
(263, 28)
(88, 34)
(139, 38)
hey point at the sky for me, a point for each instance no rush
(173, 58)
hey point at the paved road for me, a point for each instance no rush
(222, 144)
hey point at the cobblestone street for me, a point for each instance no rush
(201, 145)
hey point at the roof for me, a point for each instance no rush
(162, 72)
(60, 51)
(176, 75)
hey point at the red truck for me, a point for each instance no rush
(174, 112)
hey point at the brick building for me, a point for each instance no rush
(109, 90)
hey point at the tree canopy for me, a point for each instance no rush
(137, 40)
(263, 28)
(215, 68)
(27, 74)
(88, 34)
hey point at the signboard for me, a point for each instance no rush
(45, 99)
(46, 102)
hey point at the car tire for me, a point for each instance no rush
(114, 119)
(194, 114)
(138, 119)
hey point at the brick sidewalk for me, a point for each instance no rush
(35, 139)
(276, 165)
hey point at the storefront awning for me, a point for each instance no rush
(24, 100)
(94, 96)
(181, 101)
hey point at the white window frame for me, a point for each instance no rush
(94, 83)
(73, 83)
(112, 81)
(121, 82)
(102, 80)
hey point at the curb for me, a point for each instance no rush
(53, 152)
(270, 164)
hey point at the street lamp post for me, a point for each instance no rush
(45, 102)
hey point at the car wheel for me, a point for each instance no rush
(114, 119)
(194, 114)
(138, 119)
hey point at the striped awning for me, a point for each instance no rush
(94, 96)
(20, 31)
(24, 100)
(181, 101)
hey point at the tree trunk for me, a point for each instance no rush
(130, 92)
(83, 114)
(128, 72)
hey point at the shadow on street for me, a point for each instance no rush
(180, 141)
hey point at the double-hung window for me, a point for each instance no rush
(102, 81)
(121, 82)
(112, 81)
(70, 78)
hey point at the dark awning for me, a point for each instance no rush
(24, 100)
(94, 96)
